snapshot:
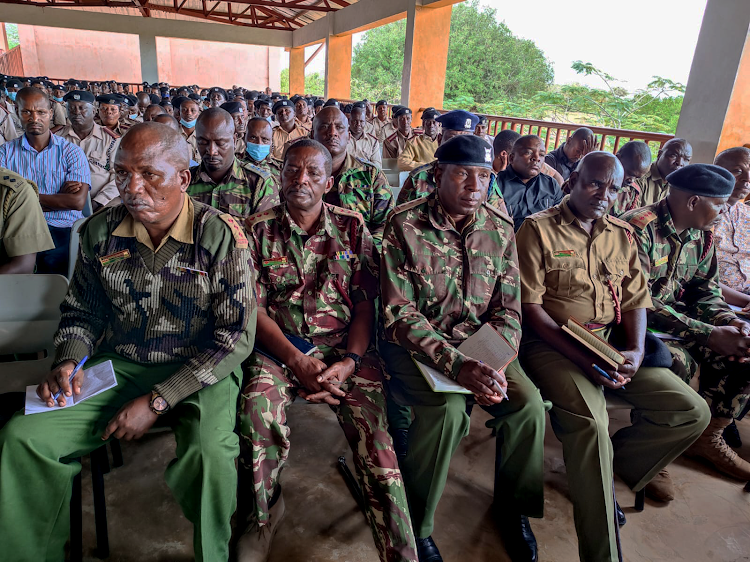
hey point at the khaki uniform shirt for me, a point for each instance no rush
(281, 137)
(395, 144)
(193, 142)
(572, 273)
(10, 107)
(417, 152)
(59, 115)
(100, 148)
(383, 129)
(653, 188)
(7, 127)
(367, 148)
(23, 229)
(306, 125)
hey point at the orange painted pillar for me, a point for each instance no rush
(339, 66)
(736, 129)
(297, 70)
(425, 58)
(3, 38)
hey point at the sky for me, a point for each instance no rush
(623, 42)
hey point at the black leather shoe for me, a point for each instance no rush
(427, 550)
(400, 442)
(620, 515)
(519, 539)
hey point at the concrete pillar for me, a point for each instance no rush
(297, 70)
(714, 77)
(338, 66)
(149, 59)
(425, 56)
(3, 38)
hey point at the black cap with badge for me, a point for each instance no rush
(465, 150)
(79, 95)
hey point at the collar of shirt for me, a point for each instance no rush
(563, 158)
(53, 140)
(289, 227)
(234, 173)
(666, 224)
(510, 174)
(567, 217)
(96, 132)
(441, 220)
(181, 230)
(350, 163)
(653, 172)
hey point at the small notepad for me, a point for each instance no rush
(96, 380)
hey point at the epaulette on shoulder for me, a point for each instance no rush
(499, 213)
(347, 213)
(13, 180)
(372, 136)
(259, 217)
(265, 174)
(240, 240)
(546, 214)
(392, 137)
(641, 218)
(423, 168)
(365, 162)
(408, 205)
(110, 132)
(619, 222)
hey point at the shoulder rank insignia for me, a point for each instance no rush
(642, 218)
(112, 258)
(239, 235)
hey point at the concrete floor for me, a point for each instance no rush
(709, 521)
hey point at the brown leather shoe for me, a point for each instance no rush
(712, 447)
(661, 488)
(255, 543)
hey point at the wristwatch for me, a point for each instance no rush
(158, 405)
(356, 358)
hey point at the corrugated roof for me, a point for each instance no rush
(267, 14)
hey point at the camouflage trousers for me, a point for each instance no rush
(270, 389)
(725, 385)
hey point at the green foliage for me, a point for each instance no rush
(314, 83)
(11, 29)
(377, 63)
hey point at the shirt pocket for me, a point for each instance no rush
(483, 271)
(428, 273)
(280, 277)
(338, 277)
(566, 276)
(615, 271)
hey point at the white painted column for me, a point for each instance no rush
(149, 60)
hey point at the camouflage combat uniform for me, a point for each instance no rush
(682, 271)
(309, 286)
(439, 286)
(268, 164)
(244, 191)
(362, 187)
(178, 319)
(628, 199)
(421, 182)
(652, 186)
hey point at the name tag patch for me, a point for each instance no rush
(564, 254)
(191, 270)
(112, 258)
(345, 255)
(661, 261)
(276, 262)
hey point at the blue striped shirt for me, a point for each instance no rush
(60, 162)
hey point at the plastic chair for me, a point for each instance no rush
(75, 240)
(29, 316)
(87, 212)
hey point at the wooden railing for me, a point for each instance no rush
(11, 62)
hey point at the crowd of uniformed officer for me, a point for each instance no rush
(254, 222)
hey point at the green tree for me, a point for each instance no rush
(314, 83)
(11, 29)
(486, 62)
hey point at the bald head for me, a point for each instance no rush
(601, 161)
(675, 154)
(731, 156)
(214, 118)
(152, 111)
(737, 161)
(578, 144)
(214, 136)
(594, 185)
(157, 140)
(168, 120)
(635, 157)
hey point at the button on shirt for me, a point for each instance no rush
(524, 199)
(568, 271)
(61, 161)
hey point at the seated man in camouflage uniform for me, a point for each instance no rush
(164, 283)
(449, 265)
(316, 281)
(421, 180)
(357, 185)
(221, 180)
(678, 256)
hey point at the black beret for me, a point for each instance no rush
(232, 107)
(37, 81)
(395, 108)
(110, 99)
(310, 102)
(319, 103)
(165, 102)
(154, 98)
(458, 120)
(359, 105)
(381, 102)
(295, 98)
(275, 95)
(331, 103)
(58, 87)
(130, 99)
(465, 150)
(282, 103)
(703, 179)
(164, 90)
(430, 113)
(348, 108)
(230, 96)
(484, 120)
(194, 97)
(145, 84)
(402, 111)
(261, 101)
(14, 83)
(79, 95)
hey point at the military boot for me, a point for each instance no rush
(712, 447)
(255, 543)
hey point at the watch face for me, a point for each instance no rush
(160, 404)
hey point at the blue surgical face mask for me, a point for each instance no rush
(12, 95)
(188, 124)
(269, 118)
(57, 99)
(204, 98)
(134, 116)
(258, 151)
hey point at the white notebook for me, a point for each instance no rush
(486, 345)
(96, 380)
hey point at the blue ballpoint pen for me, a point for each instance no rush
(603, 373)
(72, 375)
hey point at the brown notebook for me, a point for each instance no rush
(599, 347)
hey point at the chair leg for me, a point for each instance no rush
(76, 520)
(351, 483)
(100, 506)
(116, 449)
(640, 500)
